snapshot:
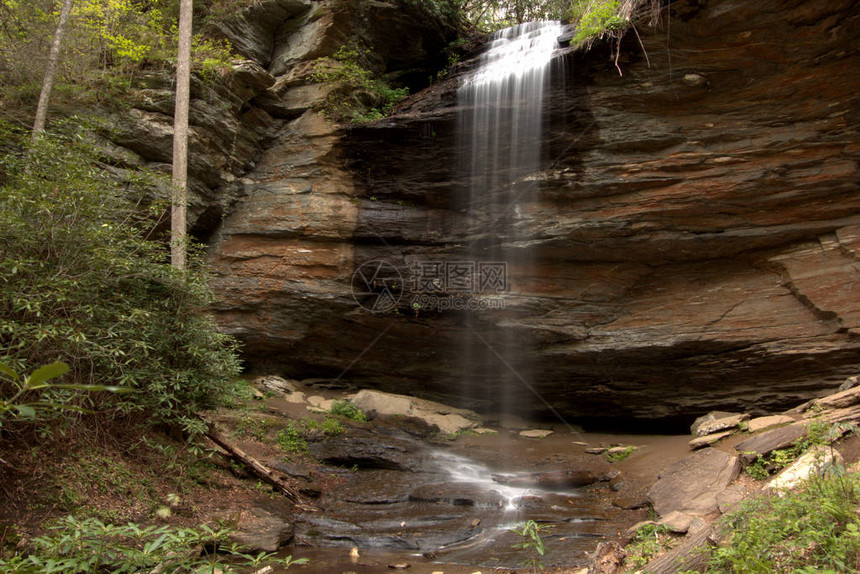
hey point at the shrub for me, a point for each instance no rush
(813, 530)
(291, 439)
(597, 18)
(346, 409)
(79, 283)
(649, 540)
(361, 97)
(83, 546)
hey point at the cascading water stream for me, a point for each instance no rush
(501, 126)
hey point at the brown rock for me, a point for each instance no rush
(710, 439)
(701, 260)
(770, 441)
(729, 498)
(762, 423)
(692, 484)
(551, 479)
(716, 421)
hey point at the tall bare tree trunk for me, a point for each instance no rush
(179, 194)
(50, 71)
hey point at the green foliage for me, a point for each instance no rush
(347, 409)
(360, 96)
(107, 43)
(37, 384)
(295, 436)
(291, 439)
(255, 428)
(818, 433)
(816, 529)
(532, 543)
(491, 15)
(79, 283)
(618, 456)
(331, 427)
(89, 546)
(647, 542)
(596, 18)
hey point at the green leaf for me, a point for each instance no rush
(9, 372)
(37, 379)
(26, 411)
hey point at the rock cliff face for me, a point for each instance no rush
(695, 242)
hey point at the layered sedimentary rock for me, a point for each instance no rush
(695, 242)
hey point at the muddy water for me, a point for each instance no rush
(454, 516)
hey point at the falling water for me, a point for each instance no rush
(500, 127)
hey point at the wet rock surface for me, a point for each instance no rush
(372, 450)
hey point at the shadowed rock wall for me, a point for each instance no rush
(695, 242)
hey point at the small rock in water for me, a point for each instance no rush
(579, 443)
(403, 566)
(353, 554)
(536, 433)
(484, 430)
(596, 450)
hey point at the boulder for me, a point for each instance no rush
(321, 404)
(447, 419)
(840, 400)
(681, 523)
(370, 451)
(274, 384)
(260, 530)
(709, 439)
(811, 463)
(850, 383)
(730, 497)
(716, 421)
(761, 423)
(769, 441)
(691, 485)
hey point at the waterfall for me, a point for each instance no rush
(500, 130)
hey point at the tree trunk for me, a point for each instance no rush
(50, 71)
(179, 182)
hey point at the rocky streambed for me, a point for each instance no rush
(397, 490)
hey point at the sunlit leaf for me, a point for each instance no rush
(38, 378)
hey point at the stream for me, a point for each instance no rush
(455, 513)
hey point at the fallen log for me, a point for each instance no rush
(257, 468)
